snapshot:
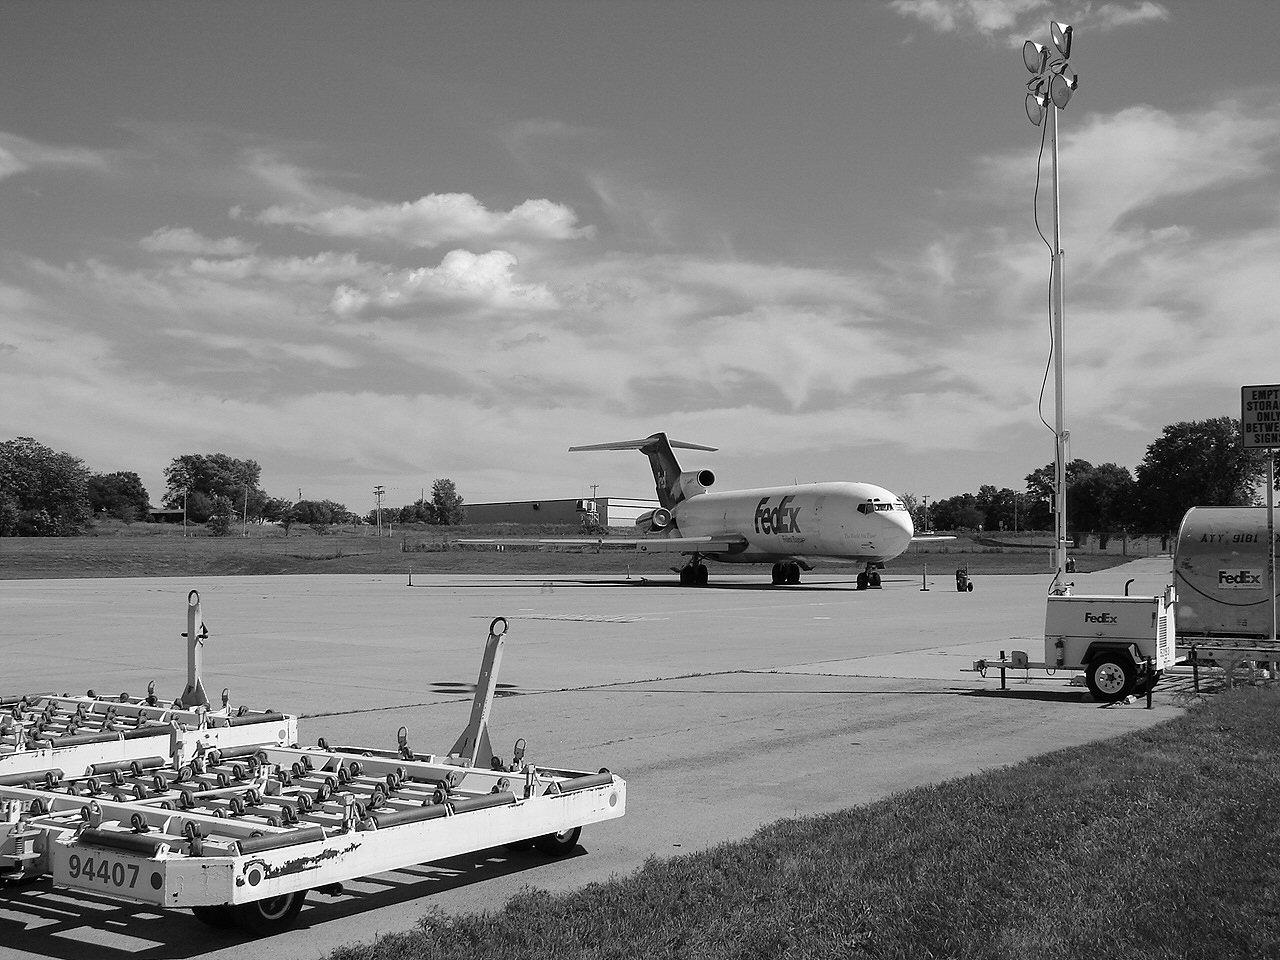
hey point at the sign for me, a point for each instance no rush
(1260, 416)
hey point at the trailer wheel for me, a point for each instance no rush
(272, 915)
(559, 844)
(1111, 677)
(220, 916)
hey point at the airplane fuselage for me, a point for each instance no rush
(856, 522)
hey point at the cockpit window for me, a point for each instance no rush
(874, 506)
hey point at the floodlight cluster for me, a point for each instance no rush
(1052, 79)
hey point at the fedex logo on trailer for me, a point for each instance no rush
(1239, 580)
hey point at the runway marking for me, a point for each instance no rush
(578, 618)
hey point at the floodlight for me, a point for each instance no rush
(1035, 108)
(1034, 56)
(1060, 87)
(1061, 35)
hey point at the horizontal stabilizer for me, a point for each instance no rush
(640, 444)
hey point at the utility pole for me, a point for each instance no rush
(378, 492)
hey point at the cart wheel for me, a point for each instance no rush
(559, 844)
(1111, 677)
(220, 916)
(272, 915)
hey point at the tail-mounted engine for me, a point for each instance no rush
(693, 482)
(654, 521)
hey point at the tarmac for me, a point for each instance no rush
(724, 707)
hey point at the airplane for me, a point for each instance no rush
(788, 526)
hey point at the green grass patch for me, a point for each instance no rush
(114, 549)
(1158, 844)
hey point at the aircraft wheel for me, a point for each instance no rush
(686, 576)
(559, 844)
(272, 915)
(778, 576)
(700, 575)
(863, 580)
(793, 573)
(1111, 677)
(873, 580)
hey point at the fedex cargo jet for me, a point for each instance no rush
(788, 526)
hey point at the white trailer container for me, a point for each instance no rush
(1220, 565)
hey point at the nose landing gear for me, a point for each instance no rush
(869, 579)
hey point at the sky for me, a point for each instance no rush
(381, 243)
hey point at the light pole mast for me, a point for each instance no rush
(1050, 87)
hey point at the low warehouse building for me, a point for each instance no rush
(611, 511)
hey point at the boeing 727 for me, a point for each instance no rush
(789, 526)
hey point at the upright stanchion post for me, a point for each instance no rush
(194, 695)
(924, 577)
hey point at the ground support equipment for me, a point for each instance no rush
(240, 833)
(70, 734)
(1123, 644)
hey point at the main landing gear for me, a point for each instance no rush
(786, 573)
(693, 574)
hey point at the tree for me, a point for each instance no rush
(957, 513)
(447, 503)
(1102, 500)
(1196, 463)
(42, 493)
(119, 495)
(420, 511)
(276, 510)
(214, 475)
(1041, 494)
(319, 515)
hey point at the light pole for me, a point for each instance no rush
(377, 493)
(1050, 87)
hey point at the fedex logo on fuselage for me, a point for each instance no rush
(1100, 618)
(780, 519)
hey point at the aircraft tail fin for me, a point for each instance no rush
(662, 459)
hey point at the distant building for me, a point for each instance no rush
(612, 511)
(156, 515)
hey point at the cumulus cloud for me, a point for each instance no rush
(481, 280)
(432, 220)
(20, 155)
(186, 240)
(995, 18)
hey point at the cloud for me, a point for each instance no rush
(482, 281)
(1012, 19)
(186, 240)
(432, 220)
(20, 155)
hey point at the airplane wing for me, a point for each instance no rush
(729, 543)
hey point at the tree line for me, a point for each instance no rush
(1191, 463)
(44, 492)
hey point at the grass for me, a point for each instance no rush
(158, 550)
(1159, 844)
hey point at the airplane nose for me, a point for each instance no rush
(898, 528)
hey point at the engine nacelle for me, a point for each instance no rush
(693, 482)
(654, 520)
